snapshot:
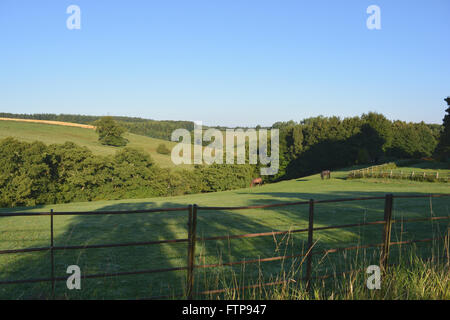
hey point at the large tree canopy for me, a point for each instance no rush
(321, 143)
(110, 132)
(443, 148)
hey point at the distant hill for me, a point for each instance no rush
(160, 129)
(51, 133)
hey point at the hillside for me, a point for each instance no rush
(51, 133)
(29, 232)
(160, 129)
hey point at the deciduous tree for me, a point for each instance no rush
(110, 132)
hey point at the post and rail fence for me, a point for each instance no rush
(383, 171)
(192, 238)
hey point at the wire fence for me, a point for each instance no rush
(192, 239)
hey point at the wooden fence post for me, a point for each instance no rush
(387, 231)
(192, 229)
(52, 257)
(310, 245)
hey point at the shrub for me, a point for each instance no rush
(162, 149)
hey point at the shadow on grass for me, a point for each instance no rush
(423, 164)
(108, 229)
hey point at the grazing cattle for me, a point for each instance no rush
(325, 173)
(256, 181)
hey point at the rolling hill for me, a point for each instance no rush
(52, 133)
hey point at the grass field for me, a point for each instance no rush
(49, 134)
(429, 167)
(26, 232)
(431, 171)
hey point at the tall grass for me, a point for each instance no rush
(412, 277)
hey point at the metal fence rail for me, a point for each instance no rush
(192, 239)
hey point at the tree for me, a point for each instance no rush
(296, 136)
(377, 132)
(363, 156)
(110, 132)
(443, 148)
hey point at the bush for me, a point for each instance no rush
(162, 149)
(221, 177)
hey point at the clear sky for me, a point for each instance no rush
(226, 62)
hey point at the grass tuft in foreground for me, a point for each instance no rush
(411, 278)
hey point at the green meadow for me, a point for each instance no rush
(50, 134)
(28, 232)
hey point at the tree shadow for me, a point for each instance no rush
(331, 154)
(109, 229)
(423, 164)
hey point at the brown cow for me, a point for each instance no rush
(256, 181)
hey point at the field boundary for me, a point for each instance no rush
(383, 171)
(191, 240)
(59, 123)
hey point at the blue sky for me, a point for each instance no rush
(231, 62)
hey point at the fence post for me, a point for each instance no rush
(310, 245)
(192, 229)
(188, 276)
(387, 231)
(52, 254)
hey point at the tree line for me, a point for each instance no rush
(34, 173)
(320, 143)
